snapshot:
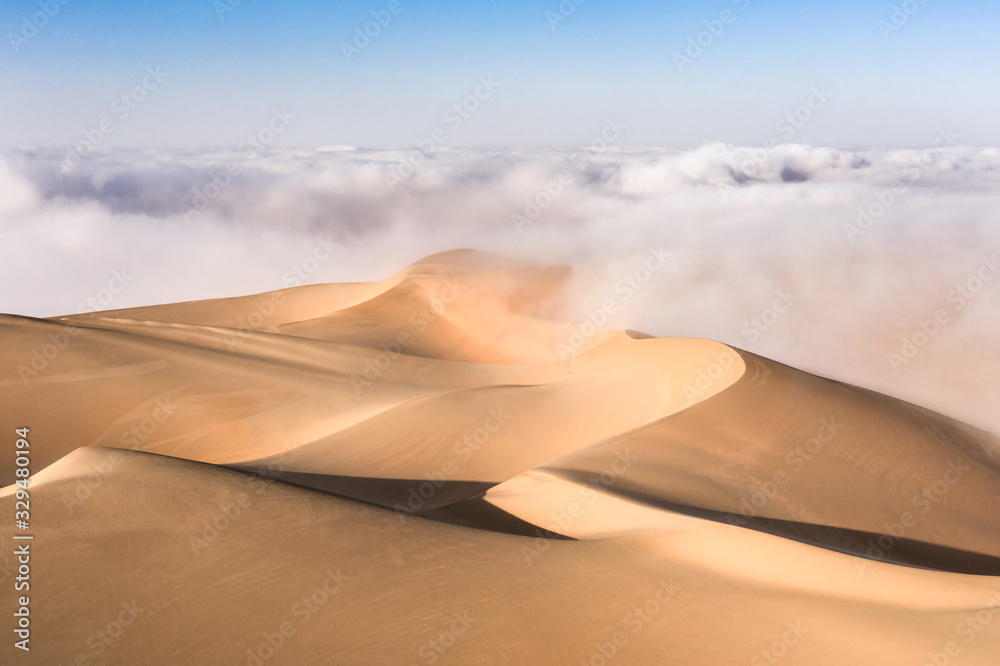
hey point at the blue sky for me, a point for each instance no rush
(558, 82)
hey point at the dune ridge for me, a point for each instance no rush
(398, 436)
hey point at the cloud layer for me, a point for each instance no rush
(874, 267)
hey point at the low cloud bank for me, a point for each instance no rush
(875, 267)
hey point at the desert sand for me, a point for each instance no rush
(448, 467)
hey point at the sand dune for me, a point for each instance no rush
(785, 445)
(353, 584)
(420, 454)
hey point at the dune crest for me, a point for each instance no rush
(380, 441)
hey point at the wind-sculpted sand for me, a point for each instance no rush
(448, 467)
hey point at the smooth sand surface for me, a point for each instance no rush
(350, 583)
(415, 471)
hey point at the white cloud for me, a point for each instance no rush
(17, 194)
(740, 223)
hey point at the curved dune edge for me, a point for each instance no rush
(782, 447)
(421, 442)
(275, 394)
(589, 512)
(496, 432)
(714, 425)
(737, 591)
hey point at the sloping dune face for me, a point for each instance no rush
(821, 461)
(442, 467)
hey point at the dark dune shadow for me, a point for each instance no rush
(407, 495)
(455, 502)
(462, 503)
(868, 545)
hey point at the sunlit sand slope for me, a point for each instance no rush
(449, 466)
(817, 460)
(169, 559)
